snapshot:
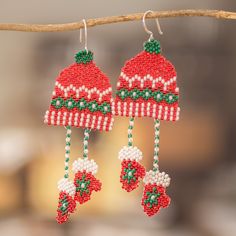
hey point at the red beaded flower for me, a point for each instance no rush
(85, 183)
(131, 172)
(66, 205)
(154, 197)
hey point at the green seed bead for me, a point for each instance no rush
(84, 57)
(152, 46)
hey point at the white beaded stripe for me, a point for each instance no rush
(58, 118)
(125, 108)
(105, 123)
(85, 165)
(154, 110)
(71, 87)
(66, 186)
(159, 178)
(111, 123)
(76, 120)
(93, 121)
(159, 112)
(46, 117)
(130, 153)
(79, 120)
(148, 108)
(99, 122)
(136, 77)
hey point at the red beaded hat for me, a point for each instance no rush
(147, 86)
(82, 96)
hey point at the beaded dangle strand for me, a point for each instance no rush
(156, 146)
(85, 147)
(130, 132)
(131, 169)
(66, 204)
(84, 170)
(154, 194)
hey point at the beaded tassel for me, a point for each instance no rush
(154, 196)
(82, 98)
(147, 87)
(66, 204)
(84, 170)
(131, 169)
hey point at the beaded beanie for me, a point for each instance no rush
(146, 88)
(82, 97)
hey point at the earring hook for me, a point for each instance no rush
(145, 26)
(85, 35)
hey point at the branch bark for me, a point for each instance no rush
(219, 14)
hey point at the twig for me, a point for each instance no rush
(115, 19)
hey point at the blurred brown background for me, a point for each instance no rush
(198, 151)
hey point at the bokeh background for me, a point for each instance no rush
(198, 151)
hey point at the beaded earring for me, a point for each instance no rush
(82, 98)
(146, 87)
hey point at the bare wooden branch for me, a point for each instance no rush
(219, 14)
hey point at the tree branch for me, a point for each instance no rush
(115, 19)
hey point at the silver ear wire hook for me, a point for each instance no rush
(85, 35)
(145, 26)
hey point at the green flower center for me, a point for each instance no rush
(129, 174)
(83, 185)
(64, 205)
(152, 198)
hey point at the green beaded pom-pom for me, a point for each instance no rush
(152, 46)
(83, 56)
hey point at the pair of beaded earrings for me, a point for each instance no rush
(83, 98)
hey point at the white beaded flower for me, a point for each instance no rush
(130, 153)
(66, 186)
(159, 178)
(85, 164)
